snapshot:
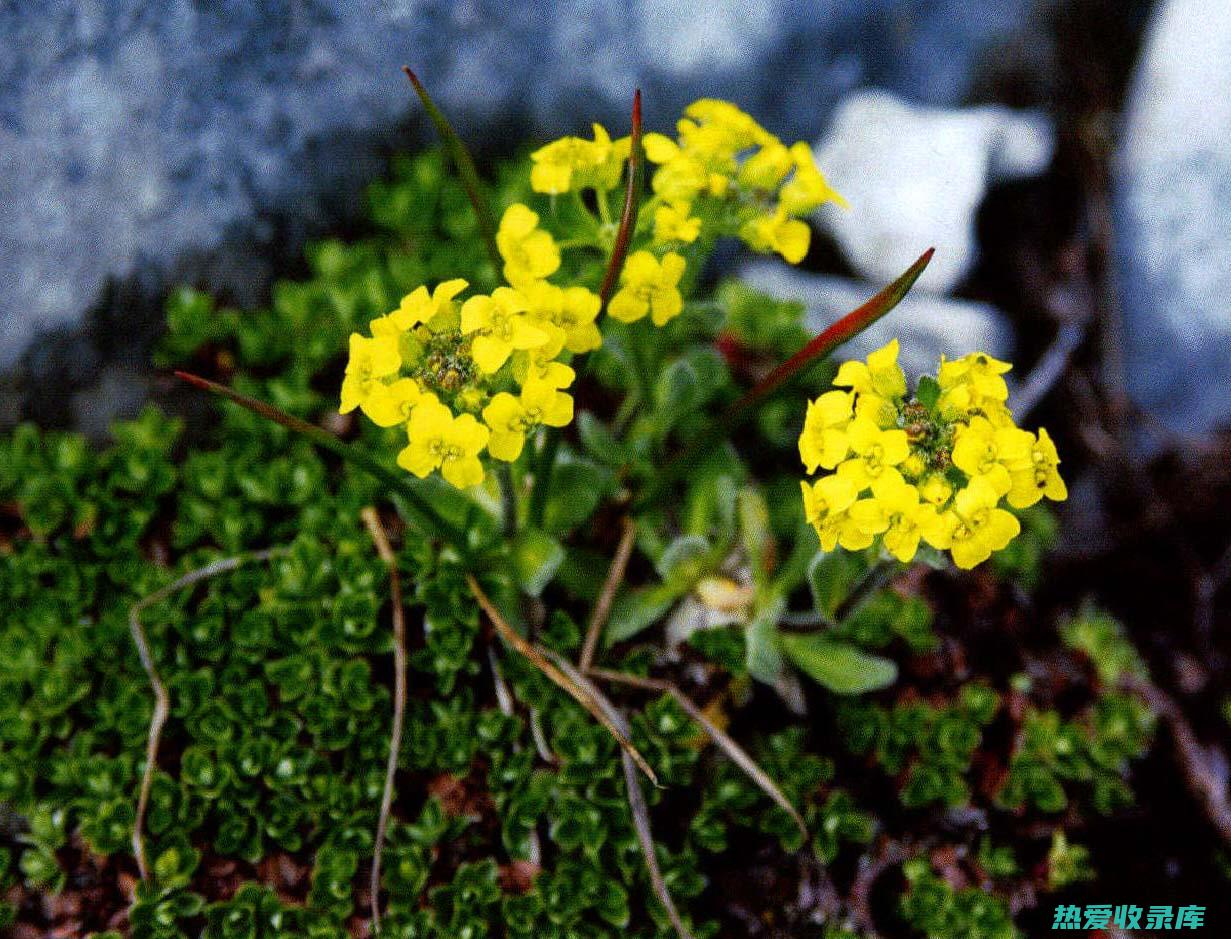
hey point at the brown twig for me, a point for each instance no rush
(577, 691)
(1204, 782)
(602, 609)
(162, 700)
(737, 754)
(377, 530)
(637, 806)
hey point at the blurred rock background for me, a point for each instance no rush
(147, 144)
(143, 145)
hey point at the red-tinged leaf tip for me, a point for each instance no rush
(414, 79)
(844, 329)
(637, 110)
(194, 380)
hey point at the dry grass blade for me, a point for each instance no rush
(637, 806)
(381, 540)
(162, 700)
(602, 609)
(737, 754)
(576, 690)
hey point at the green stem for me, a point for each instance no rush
(508, 498)
(877, 576)
(544, 467)
(348, 453)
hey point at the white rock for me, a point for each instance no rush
(926, 324)
(1172, 223)
(914, 177)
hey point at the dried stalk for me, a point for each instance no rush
(377, 530)
(1205, 782)
(637, 806)
(577, 691)
(737, 754)
(162, 700)
(602, 609)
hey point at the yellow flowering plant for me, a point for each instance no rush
(488, 370)
(935, 467)
(584, 374)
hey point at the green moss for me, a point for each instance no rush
(934, 908)
(278, 672)
(929, 746)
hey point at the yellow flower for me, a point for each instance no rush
(974, 527)
(529, 252)
(895, 513)
(438, 440)
(825, 505)
(935, 489)
(392, 404)
(419, 306)
(572, 309)
(680, 179)
(565, 164)
(979, 372)
(880, 376)
(672, 223)
(766, 168)
(1039, 477)
(877, 454)
(370, 359)
(807, 189)
(719, 130)
(501, 326)
(777, 232)
(649, 286)
(659, 148)
(983, 451)
(823, 441)
(510, 418)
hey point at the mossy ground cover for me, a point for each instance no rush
(951, 803)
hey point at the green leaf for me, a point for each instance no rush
(677, 391)
(839, 666)
(764, 657)
(637, 609)
(831, 576)
(598, 440)
(536, 558)
(754, 532)
(927, 392)
(685, 560)
(576, 488)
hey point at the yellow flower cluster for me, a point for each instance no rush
(464, 377)
(932, 467)
(479, 376)
(721, 155)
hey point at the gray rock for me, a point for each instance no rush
(914, 176)
(927, 325)
(184, 140)
(1172, 223)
